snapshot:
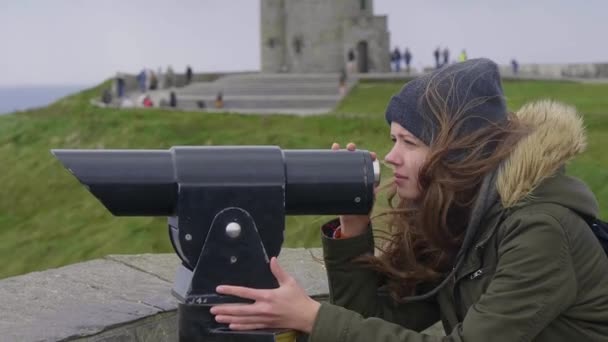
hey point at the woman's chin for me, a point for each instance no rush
(405, 194)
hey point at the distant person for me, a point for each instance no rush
(201, 104)
(188, 75)
(463, 56)
(141, 80)
(170, 78)
(219, 100)
(147, 102)
(120, 85)
(140, 100)
(106, 97)
(436, 54)
(153, 81)
(148, 73)
(161, 78)
(446, 56)
(407, 57)
(342, 83)
(515, 66)
(350, 64)
(396, 59)
(172, 99)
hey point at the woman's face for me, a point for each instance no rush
(406, 157)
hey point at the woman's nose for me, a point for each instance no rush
(391, 157)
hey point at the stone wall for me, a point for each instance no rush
(372, 31)
(560, 71)
(132, 85)
(117, 298)
(272, 29)
(309, 36)
(317, 24)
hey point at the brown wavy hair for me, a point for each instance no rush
(421, 239)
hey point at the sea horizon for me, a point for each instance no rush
(22, 97)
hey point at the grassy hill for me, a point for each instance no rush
(48, 219)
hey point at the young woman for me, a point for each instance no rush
(486, 233)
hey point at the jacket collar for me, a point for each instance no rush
(557, 136)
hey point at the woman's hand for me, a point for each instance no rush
(287, 306)
(353, 225)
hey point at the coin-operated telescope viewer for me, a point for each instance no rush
(226, 208)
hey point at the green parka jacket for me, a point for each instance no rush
(534, 272)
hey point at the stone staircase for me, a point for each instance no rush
(301, 94)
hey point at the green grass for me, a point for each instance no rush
(48, 219)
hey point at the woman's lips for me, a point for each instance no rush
(399, 178)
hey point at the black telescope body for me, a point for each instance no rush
(226, 207)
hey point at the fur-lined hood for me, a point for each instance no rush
(558, 136)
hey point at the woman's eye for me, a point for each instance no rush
(393, 139)
(409, 142)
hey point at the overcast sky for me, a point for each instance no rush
(86, 41)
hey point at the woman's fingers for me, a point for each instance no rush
(243, 319)
(285, 307)
(236, 310)
(247, 326)
(243, 292)
(279, 272)
(351, 147)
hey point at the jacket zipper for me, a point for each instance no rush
(477, 274)
(455, 293)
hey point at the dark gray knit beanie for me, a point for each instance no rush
(472, 88)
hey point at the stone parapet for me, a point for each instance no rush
(117, 298)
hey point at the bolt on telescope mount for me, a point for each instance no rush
(226, 208)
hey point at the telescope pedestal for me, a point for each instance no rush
(232, 254)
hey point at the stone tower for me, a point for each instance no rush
(308, 36)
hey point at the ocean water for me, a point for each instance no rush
(14, 98)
